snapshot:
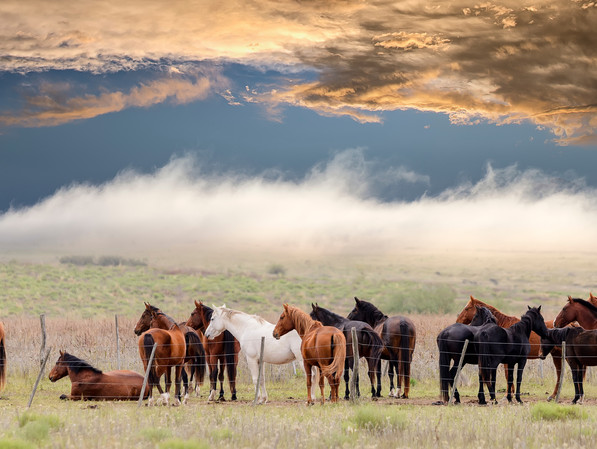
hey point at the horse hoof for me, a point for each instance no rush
(404, 396)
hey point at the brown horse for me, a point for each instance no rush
(399, 337)
(89, 383)
(222, 350)
(503, 320)
(322, 346)
(195, 356)
(581, 351)
(576, 309)
(170, 353)
(2, 357)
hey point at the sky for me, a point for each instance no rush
(306, 127)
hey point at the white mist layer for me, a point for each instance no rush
(331, 211)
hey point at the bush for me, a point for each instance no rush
(155, 434)
(176, 443)
(545, 411)
(37, 427)
(277, 269)
(374, 418)
(76, 260)
(10, 443)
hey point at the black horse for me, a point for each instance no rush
(450, 343)
(369, 345)
(399, 337)
(581, 351)
(509, 346)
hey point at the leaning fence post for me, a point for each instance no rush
(42, 350)
(457, 377)
(41, 371)
(355, 366)
(155, 345)
(117, 343)
(260, 371)
(562, 371)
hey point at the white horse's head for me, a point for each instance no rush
(216, 324)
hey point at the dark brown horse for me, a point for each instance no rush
(170, 354)
(89, 383)
(322, 346)
(2, 357)
(581, 351)
(399, 337)
(222, 350)
(195, 356)
(579, 310)
(503, 320)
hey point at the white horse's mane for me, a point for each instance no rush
(229, 313)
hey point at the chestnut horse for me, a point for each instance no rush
(2, 357)
(576, 309)
(170, 353)
(466, 316)
(89, 383)
(195, 356)
(222, 350)
(399, 337)
(321, 346)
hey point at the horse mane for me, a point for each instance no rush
(76, 364)
(231, 312)
(370, 309)
(484, 316)
(208, 311)
(331, 314)
(587, 304)
(302, 319)
(559, 334)
(503, 320)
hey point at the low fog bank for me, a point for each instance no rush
(179, 210)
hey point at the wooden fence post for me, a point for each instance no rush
(42, 350)
(41, 371)
(355, 366)
(117, 343)
(260, 372)
(562, 371)
(155, 345)
(457, 377)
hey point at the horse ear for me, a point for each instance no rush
(313, 306)
(147, 306)
(591, 296)
(569, 298)
(197, 304)
(539, 309)
(61, 352)
(357, 300)
(286, 307)
(473, 299)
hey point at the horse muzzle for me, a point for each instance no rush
(276, 335)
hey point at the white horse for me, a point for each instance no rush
(248, 330)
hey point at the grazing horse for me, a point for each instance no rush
(170, 353)
(581, 351)
(195, 355)
(579, 310)
(2, 357)
(89, 383)
(399, 337)
(222, 350)
(248, 330)
(450, 343)
(322, 346)
(370, 346)
(509, 346)
(466, 315)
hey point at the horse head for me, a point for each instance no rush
(285, 323)
(467, 314)
(217, 324)
(198, 318)
(537, 320)
(60, 369)
(144, 322)
(482, 316)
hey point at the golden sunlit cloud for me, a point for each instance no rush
(500, 61)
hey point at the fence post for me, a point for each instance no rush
(117, 343)
(260, 371)
(355, 366)
(41, 371)
(42, 350)
(562, 371)
(155, 345)
(457, 377)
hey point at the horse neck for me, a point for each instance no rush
(236, 323)
(83, 372)
(303, 323)
(332, 318)
(525, 325)
(503, 320)
(163, 321)
(587, 321)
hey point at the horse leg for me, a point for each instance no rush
(221, 379)
(378, 375)
(333, 397)
(405, 369)
(481, 394)
(557, 362)
(165, 397)
(213, 377)
(509, 381)
(185, 383)
(519, 371)
(254, 368)
(391, 376)
(371, 365)
(231, 369)
(492, 385)
(307, 367)
(581, 378)
(178, 370)
(347, 365)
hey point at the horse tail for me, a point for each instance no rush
(2, 363)
(148, 343)
(444, 369)
(338, 350)
(405, 352)
(197, 354)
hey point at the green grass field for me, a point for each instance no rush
(80, 302)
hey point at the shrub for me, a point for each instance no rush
(374, 418)
(76, 260)
(10, 443)
(176, 443)
(155, 434)
(552, 412)
(277, 269)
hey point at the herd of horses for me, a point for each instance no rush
(212, 338)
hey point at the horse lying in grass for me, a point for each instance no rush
(581, 351)
(322, 346)
(89, 383)
(450, 343)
